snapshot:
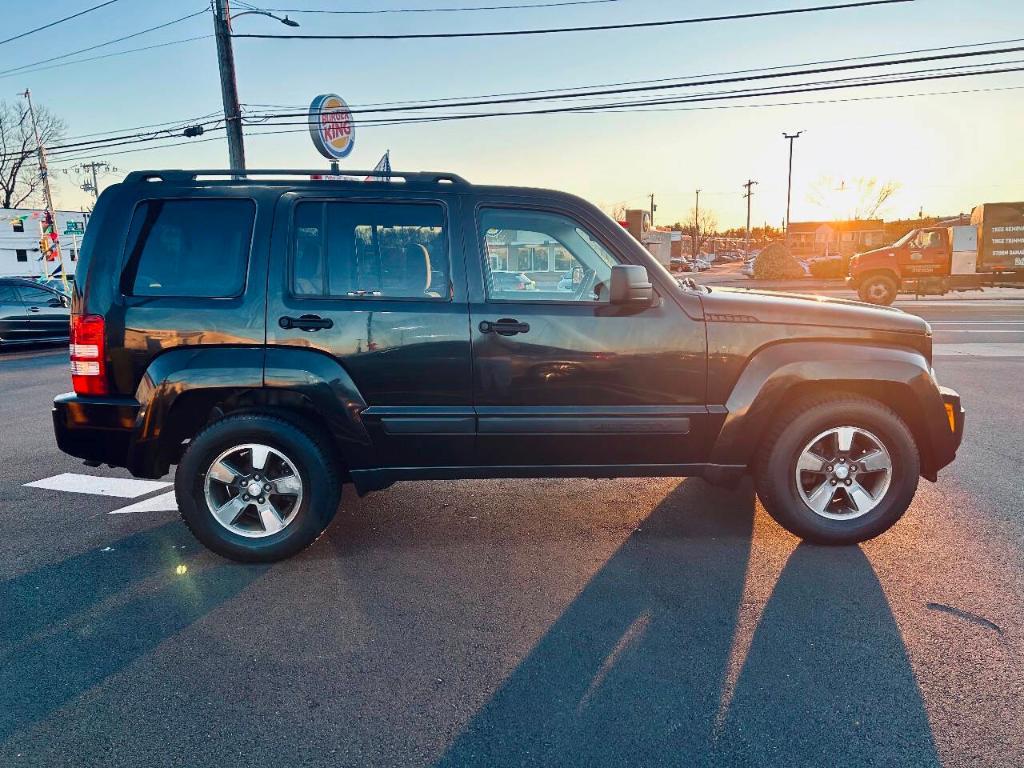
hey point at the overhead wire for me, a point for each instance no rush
(58, 21)
(589, 28)
(108, 42)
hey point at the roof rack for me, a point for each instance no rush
(427, 177)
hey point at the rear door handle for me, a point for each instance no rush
(306, 322)
(33, 309)
(504, 327)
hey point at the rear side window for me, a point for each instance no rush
(370, 250)
(195, 248)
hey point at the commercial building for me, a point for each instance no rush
(19, 241)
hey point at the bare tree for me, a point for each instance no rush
(859, 198)
(701, 228)
(19, 171)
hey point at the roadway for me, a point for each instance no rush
(634, 622)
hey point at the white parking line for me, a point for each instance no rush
(124, 488)
(979, 350)
(162, 503)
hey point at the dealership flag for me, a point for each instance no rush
(382, 170)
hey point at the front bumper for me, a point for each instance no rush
(96, 429)
(955, 415)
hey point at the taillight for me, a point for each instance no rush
(88, 364)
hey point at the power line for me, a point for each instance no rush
(593, 28)
(20, 72)
(395, 123)
(462, 9)
(179, 123)
(567, 89)
(668, 86)
(58, 21)
(676, 100)
(108, 42)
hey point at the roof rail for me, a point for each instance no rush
(428, 177)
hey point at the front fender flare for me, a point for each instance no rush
(777, 370)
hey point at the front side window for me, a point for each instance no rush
(370, 250)
(36, 296)
(541, 256)
(195, 248)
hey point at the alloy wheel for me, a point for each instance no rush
(253, 490)
(843, 473)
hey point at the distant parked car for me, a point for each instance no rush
(703, 264)
(512, 281)
(748, 267)
(680, 264)
(31, 313)
(565, 283)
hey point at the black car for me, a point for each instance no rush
(31, 313)
(277, 338)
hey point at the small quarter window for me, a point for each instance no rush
(21, 254)
(18, 225)
(194, 248)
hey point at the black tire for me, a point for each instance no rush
(311, 458)
(775, 467)
(878, 289)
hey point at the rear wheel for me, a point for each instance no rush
(878, 289)
(255, 488)
(838, 470)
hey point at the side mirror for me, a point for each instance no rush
(56, 301)
(630, 284)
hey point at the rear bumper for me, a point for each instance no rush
(96, 429)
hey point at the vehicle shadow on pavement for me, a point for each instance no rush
(69, 625)
(633, 672)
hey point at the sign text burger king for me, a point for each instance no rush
(331, 127)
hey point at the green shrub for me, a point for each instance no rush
(775, 262)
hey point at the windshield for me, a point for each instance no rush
(905, 239)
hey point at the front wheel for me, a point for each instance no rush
(256, 488)
(878, 289)
(838, 470)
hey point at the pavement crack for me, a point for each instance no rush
(967, 616)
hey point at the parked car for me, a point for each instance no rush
(56, 284)
(512, 281)
(31, 313)
(680, 264)
(217, 327)
(748, 267)
(565, 281)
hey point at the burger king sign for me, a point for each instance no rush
(330, 126)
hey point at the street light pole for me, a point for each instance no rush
(228, 84)
(789, 182)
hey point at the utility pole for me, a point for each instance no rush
(696, 225)
(750, 193)
(789, 183)
(92, 168)
(653, 209)
(44, 174)
(228, 84)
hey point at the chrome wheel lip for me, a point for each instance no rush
(858, 454)
(229, 479)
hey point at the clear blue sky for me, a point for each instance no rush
(946, 152)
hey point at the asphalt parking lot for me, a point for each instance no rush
(638, 622)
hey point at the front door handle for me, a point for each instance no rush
(504, 327)
(33, 309)
(306, 322)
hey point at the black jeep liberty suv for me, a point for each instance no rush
(277, 337)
